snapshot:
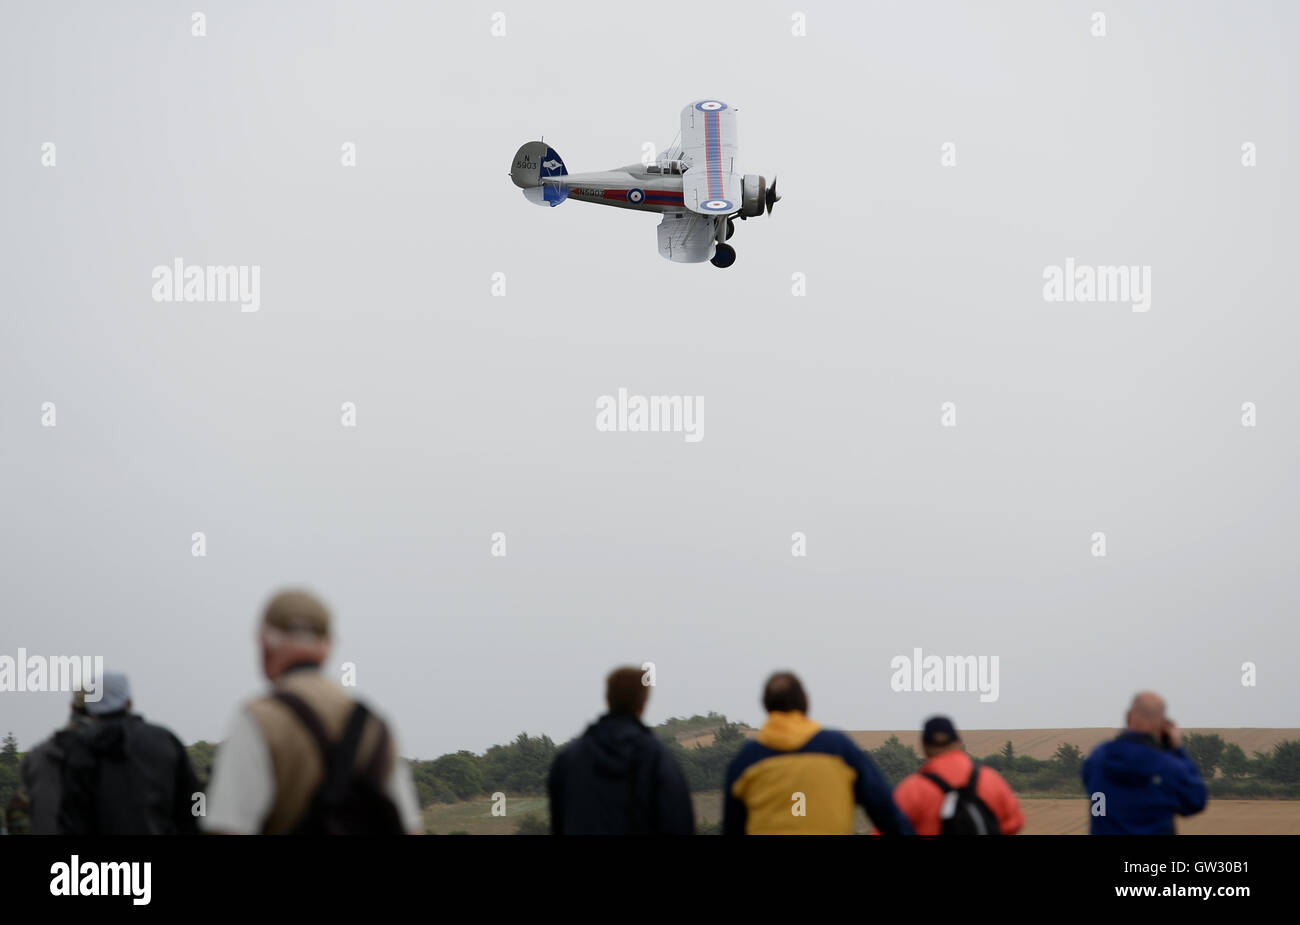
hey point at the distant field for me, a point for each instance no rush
(1045, 816)
(1221, 817)
(1040, 743)
(475, 816)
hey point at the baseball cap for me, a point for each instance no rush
(938, 730)
(115, 694)
(297, 612)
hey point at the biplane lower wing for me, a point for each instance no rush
(685, 237)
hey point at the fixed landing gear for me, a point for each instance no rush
(725, 256)
(731, 229)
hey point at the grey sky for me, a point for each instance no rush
(476, 414)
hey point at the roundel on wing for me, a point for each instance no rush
(635, 196)
(717, 205)
(710, 105)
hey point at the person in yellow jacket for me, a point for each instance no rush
(797, 778)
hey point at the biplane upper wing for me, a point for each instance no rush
(710, 185)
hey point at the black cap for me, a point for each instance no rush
(938, 730)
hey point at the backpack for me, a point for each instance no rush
(350, 800)
(962, 811)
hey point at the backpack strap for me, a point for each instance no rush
(375, 767)
(947, 787)
(937, 781)
(339, 758)
(307, 716)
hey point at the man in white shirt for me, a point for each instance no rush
(271, 767)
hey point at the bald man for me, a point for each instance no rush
(1140, 780)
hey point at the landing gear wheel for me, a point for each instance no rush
(725, 256)
(731, 229)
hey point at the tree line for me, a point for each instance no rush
(521, 767)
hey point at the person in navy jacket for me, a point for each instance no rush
(1144, 775)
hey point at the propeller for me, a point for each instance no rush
(772, 197)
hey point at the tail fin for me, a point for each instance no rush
(536, 162)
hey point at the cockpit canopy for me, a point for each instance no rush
(667, 169)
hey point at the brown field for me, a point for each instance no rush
(1221, 817)
(1043, 816)
(1065, 816)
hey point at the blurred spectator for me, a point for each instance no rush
(42, 771)
(617, 778)
(797, 778)
(124, 776)
(951, 795)
(1141, 779)
(307, 758)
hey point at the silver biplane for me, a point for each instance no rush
(694, 185)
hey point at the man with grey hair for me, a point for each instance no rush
(124, 776)
(307, 758)
(1141, 779)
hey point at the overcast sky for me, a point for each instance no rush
(475, 413)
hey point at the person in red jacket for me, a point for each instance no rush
(922, 799)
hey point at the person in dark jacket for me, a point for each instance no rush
(617, 778)
(124, 776)
(1140, 780)
(42, 771)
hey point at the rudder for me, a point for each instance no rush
(534, 163)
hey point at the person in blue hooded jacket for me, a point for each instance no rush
(1144, 776)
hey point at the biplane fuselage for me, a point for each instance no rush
(637, 186)
(696, 187)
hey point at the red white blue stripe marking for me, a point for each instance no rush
(713, 155)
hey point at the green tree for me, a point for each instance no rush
(462, 773)
(9, 752)
(533, 824)
(1028, 764)
(1069, 758)
(705, 766)
(1234, 763)
(202, 755)
(1284, 763)
(429, 787)
(1206, 750)
(729, 734)
(1260, 764)
(521, 766)
(895, 760)
(9, 778)
(1008, 753)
